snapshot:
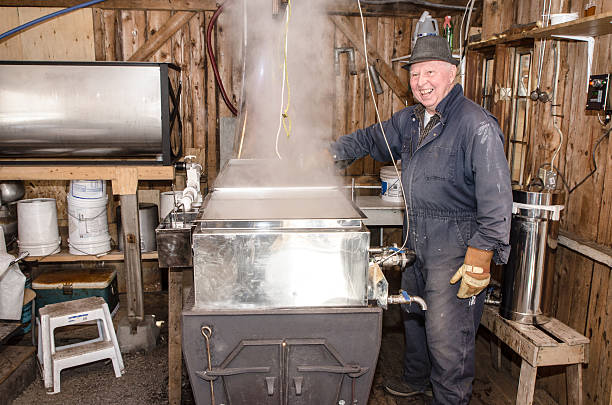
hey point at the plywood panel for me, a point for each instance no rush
(68, 37)
(10, 49)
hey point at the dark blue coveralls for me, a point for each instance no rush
(458, 192)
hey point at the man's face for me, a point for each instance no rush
(431, 81)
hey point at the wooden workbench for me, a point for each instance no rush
(549, 344)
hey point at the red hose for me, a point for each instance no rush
(213, 61)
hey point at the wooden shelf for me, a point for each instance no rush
(64, 256)
(124, 178)
(600, 24)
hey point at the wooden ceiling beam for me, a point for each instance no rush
(338, 7)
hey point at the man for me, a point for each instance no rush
(457, 185)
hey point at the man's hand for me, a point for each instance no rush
(474, 273)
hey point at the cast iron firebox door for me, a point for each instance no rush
(282, 372)
(316, 372)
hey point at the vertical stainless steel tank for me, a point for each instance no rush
(532, 213)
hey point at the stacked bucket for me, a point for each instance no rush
(87, 222)
(37, 227)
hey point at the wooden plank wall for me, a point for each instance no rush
(582, 289)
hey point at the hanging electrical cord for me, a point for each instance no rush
(213, 60)
(47, 17)
(581, 182)
(399, 177)
(284, 110)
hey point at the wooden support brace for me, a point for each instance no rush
(385, 71)
(160, 37)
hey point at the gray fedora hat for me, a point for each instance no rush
(431, 47)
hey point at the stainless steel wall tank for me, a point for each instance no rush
(531, 231)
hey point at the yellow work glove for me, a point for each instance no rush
(474, 273)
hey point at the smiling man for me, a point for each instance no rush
(457, 185)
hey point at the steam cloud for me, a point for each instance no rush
(310, 71)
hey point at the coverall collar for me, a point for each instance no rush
(444, 107)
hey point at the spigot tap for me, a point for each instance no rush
(404, 298)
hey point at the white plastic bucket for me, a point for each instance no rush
(87, 189)
(390, 184)
(168, 200)
(88, 226)
(89, 248)
(37, 226)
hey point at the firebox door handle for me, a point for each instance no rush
(352, 371)
(211, 375)
(270, 385)
(298, 381)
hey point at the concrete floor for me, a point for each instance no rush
(146, 377)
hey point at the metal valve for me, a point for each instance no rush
(389, 256)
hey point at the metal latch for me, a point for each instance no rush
(67, 289)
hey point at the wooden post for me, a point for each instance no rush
(175, 359)
(133, 269)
